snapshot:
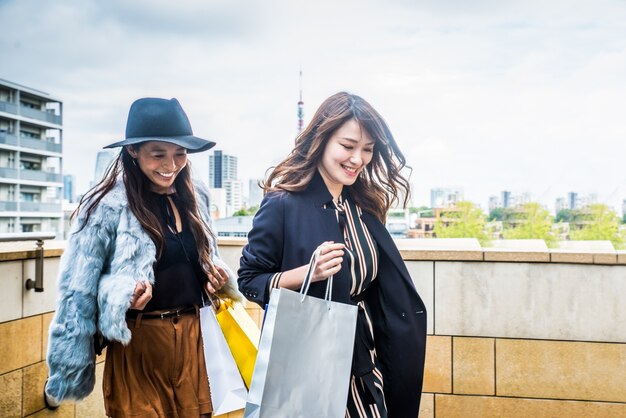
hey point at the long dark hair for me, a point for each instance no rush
(378, 187)
(137, 187)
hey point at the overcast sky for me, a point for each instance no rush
(484, 95)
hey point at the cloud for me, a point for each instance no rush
(486, 95)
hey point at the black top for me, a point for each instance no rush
(178, 276)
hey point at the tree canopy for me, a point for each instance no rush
(466, 220)
(596, 222)
(529, 221)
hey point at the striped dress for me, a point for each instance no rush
(366, 394)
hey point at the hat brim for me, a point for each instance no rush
(189, 142)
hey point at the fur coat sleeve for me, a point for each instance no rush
(71, 357)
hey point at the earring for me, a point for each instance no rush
(135, 162)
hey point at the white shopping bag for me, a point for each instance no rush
(228, 391)
(305, 356)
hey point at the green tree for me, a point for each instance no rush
(564, 215)
(597, 222)
(247, 212)
(465, 220)
(497, 214)
(529, 221)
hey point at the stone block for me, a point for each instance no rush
(11, 295)
(11, 394)
(455, 406)
(20, 343)
(438, 368)
(516, 256)
(473, 366)
(561, 370)
(427, 406)
(66, 410)
(530, 300)
(34, 380)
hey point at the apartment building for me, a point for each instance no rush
(31, 180)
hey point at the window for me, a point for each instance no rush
(30, 165)
(28, 134)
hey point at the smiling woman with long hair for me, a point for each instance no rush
(332, 192)
(140, 262)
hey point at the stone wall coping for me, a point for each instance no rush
(26, 250)
(410, 249)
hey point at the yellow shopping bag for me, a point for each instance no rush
(242, 336)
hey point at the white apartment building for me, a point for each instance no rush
(31, 180)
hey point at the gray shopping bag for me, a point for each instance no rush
(305, 356)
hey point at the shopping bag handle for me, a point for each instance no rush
(306, 283)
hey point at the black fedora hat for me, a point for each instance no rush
(152, 119)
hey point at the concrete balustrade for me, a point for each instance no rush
(512, 333)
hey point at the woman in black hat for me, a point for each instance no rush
(140, 260)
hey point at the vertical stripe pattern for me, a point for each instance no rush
(366, 394)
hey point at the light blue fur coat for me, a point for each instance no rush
(99, 270)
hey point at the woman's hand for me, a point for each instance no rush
(329, 261)
(141, 295)
(216, 281)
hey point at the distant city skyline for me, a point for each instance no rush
(454, 193)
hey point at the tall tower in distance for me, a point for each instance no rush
(300, 107)
(222, 168)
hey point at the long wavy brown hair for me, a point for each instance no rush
(137, 187)
(379, 186)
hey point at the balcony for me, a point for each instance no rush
(38, 175)
(8, 107)
(40, 144)
(40, 207)
(7, 138)
(40, 115)
(8, 206)
(8, 173)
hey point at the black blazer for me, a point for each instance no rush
(288, 228)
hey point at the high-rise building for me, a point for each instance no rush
(445, 197)
(234, 196)
(572, 200)
(31, 179)
(505, 199)
(494, 203)
(104, 158)
(69, 192)
(222, 167)
(255, 193)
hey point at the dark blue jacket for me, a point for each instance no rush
(288, 228)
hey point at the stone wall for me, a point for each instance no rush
(511, 333)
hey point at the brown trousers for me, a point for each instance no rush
(161, 373)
